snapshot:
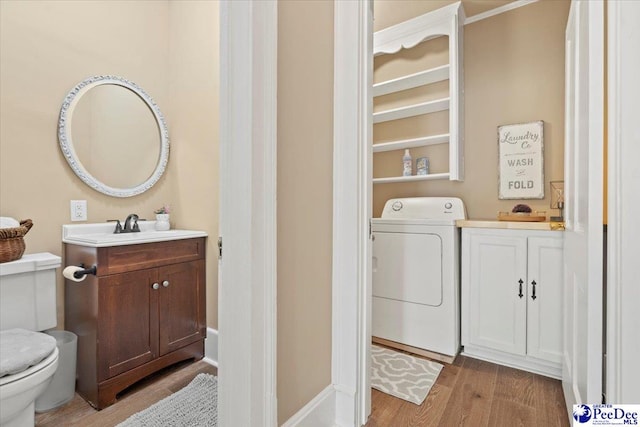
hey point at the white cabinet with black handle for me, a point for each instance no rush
(512, 298)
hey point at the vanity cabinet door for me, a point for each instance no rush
(181, 305)
(128, 327)
(495, 281)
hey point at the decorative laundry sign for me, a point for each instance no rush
(521, 161)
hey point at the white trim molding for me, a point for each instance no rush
(498, 10)
(211, 347)
(320, 411)
(623, 294)
(247, 296)
(352, 112)
(417, 30)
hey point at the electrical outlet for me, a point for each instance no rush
(78, 210)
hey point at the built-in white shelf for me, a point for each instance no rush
(411, 81)
(411, 110)
(412, 178)
(411, 143)
(448, 22)
(405, 35)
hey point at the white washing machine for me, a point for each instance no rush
(416, 278)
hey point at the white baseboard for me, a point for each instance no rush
(319, 412)
(345, 412)
(211, 347)
(571, 399)
(525, 363)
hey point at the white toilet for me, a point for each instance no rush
(27, 305)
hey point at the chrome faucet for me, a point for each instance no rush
(131, 228)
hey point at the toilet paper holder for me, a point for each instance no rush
(78, 274)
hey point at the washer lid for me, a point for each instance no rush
(432, 208)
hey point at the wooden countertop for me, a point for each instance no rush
(511, 225)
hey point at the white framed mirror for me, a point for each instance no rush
(113, 136)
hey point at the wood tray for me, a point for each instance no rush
(532, 217)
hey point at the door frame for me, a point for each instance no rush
(622, 346)
(351, 312)
(247, 282)
(587, 139)
(352, 201)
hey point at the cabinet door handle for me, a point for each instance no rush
(533, 292)
(155, 286)
(520, 294)
(165, 283)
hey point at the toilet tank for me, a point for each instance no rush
(28, 292)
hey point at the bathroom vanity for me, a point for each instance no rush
(143, 310)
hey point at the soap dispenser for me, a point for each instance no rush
(407, 163)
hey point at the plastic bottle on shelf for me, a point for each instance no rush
(407, 163)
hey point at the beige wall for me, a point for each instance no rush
(305, 139)
(48, 47)
(513, 73)
(194, 86)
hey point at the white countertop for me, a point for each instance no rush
(101, 235)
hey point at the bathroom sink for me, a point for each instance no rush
(101, 234)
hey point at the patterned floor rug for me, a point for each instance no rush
(194, 405)
(402, 375)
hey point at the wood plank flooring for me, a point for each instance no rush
(138, 397)
(468, 392)
(474, 393)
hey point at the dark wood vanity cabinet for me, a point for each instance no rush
(143, 310)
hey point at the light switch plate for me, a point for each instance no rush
(78, 210)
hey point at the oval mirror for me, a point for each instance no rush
(113, 136)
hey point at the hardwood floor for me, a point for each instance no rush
(138, 397)
(468, 392)
(474, 393)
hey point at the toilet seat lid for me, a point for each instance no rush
(52, 359)
(21, 349)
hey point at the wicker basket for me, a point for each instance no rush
(12, 241)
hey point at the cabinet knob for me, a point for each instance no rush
(155, 286)
(165, 283)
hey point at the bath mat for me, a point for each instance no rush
(194, 405)
(402, 375)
